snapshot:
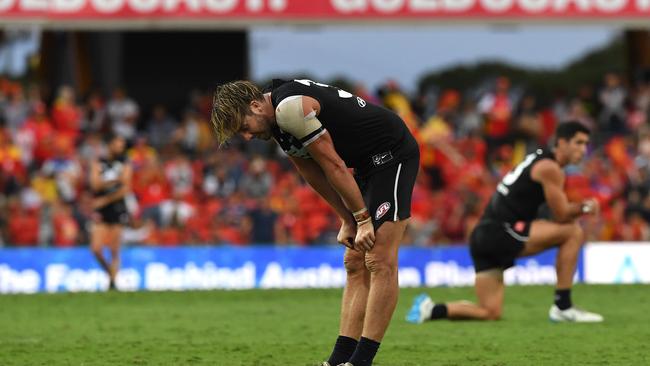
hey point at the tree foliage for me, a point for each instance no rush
(588, 69)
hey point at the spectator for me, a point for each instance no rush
(16, 109)
(160, 128)
(527, 127)
(66, 115)
(496, 106)
(264, 222)
(257, 182)
(612, 96)
(150, 186)
(65, 169)
(141, 155)
(180, 175)
(23, 224)
(188, 134)
(123, 114)
(95, 114)
(37, 135)
(66, 228)
(218, 182)
(469, 120)
(12, 171)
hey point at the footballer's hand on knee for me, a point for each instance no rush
(365, 238)
(347, 233)
(348, 242)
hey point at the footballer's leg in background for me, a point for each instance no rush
(569, 238)
(543, 235)
(489, 285)
(353, 306)
(489, 289)
(115, 241)
(98, 238)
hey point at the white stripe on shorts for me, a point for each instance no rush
(514, 234)
(399, 168)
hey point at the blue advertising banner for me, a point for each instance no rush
(223, 267)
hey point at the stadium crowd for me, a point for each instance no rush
(188, 191)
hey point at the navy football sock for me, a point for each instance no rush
(343, 350)
(563, 298)
(365, 352)
(439, 311)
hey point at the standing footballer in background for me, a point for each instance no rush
(110, 182)
(509, 229)
(325, 131)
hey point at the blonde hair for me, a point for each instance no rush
(230, 104)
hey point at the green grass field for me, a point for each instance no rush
(298, 327)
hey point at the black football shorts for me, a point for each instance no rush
(496, 244)
(115, 213)
(387, 193)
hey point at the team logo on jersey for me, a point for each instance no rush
(362, 103)
(382, 158)
(382, 210)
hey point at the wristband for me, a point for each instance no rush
(363, 222)
(361, 215)
(360, 211)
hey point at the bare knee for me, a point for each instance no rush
(493, 314)
(380, 264)
(578, 234)
(574, 234)
(570, 233)
(353, 262)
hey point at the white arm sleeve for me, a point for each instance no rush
(291, 118)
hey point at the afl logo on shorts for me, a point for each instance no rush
(362, 103)
(382, 210)
(520, 226)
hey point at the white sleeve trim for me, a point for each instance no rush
(308, 142)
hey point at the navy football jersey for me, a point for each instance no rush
(110, 170)
(366, 136)
(518, 197)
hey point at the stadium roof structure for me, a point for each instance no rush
(240, 14)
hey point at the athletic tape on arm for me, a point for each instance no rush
(291, 118)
